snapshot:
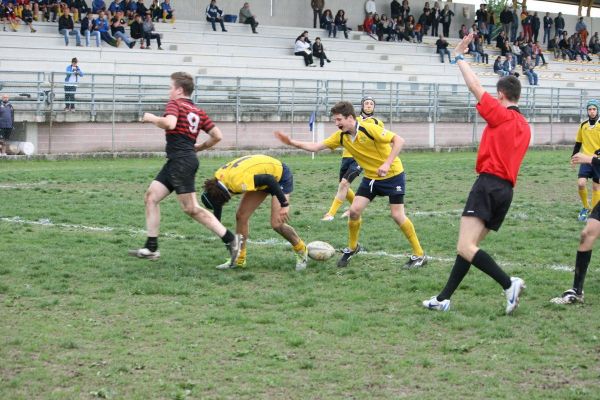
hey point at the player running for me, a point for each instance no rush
(182, 122)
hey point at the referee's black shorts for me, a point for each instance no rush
(489, 200)
(179, 174)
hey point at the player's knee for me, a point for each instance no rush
(354, 214)
(150, 198)
(191, 209)
(344, 184)
(398, 216)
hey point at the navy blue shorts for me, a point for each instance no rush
(589, 171)
(349, 169)
(287, 180)
(391, 187)
(179, 174)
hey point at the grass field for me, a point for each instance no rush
(82, 320)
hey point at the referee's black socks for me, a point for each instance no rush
(486, 263)
(459, 270)
(151, 244)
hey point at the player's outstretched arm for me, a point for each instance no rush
(308, 146)
(215, 137)
(169, 122)
(465, 69)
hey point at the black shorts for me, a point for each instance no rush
(391, 187)
(287, 180)
(349, 169)
(589, 171)
(595, 214)
(489, 200)
(179, 174)
(5, 133)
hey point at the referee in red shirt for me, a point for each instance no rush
(182, 122)
(503, 145)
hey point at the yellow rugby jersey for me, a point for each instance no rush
(589, 137)
(369, 120)
(370, 148)
(238, 175)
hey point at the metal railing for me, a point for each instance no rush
(39, 96)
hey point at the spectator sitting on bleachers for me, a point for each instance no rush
(116, 5)
(81, 7)
(463, 31)
(515, 49)
(117, 28)
(11, 17)
(400, 31)
(581, 50)
(481, 55)
(168, 13)
(509, 65)
(553, 46)
(565, 50)
(339, 23)
(129, 8)
(52, 9)
(424, 21)
(327, 19)
(136, 30)
(141, 9)
(319, 51)
(368, 24)
(246, 17)
(500, 40)
(410, 28)
(536, 51)
(594, 45)
(87, 29)
(101, 25)
(442, 48)
(385, 27)
(301, 48)
(149, 31)
(66, 27)
(155, 10)
(499, 67)
(215, 14)
(528, 67)
(27, 17)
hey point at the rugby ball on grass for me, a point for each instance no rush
(320, 251)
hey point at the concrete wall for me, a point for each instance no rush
(298, 12)
(98, 137)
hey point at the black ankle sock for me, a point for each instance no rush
(581, 265)
(459, 270)
(486, 263)
(228, 237)
(151, 243)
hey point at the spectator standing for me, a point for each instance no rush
(149, 31)
(301, 48)
(370, 7)
(581, 28)
(71, 81)
(136, 30)
(535, 26)
(339, 23)
(547, 22)
(319, 51)
(7, 119)
(215, 14)
(404, 10)
(65, 27)
(246, 17)
(317, 6)
(435, 16)
(117, 28)
(559, 25)
(446, 19)
(168, 13)
(526, 24)
(395, 9)
(424, 21)
(514, 26)
(87, 29)
(442, 48)
(506, 20)
(481, 15)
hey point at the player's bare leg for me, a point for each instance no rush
(289, 234)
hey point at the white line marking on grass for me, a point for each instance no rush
(261, 242)
(435, 213)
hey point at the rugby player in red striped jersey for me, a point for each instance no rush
(182, 122)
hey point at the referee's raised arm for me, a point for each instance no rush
(469, 76)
